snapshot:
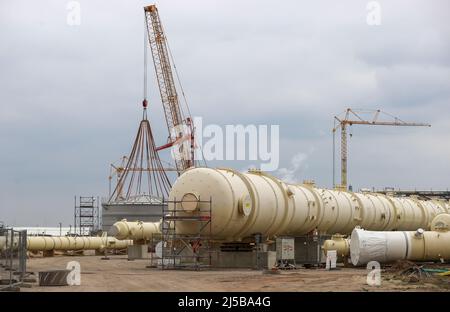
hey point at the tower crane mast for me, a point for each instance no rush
(354, 117)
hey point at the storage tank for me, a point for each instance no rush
(244, 204)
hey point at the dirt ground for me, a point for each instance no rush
(119, 274)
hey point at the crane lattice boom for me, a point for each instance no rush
(354, 117)
(180, 128)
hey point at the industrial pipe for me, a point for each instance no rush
(136, 230)
(243, 204)
(43, 243)
(420, 245)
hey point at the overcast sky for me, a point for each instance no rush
(70, 95)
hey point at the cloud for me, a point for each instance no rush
(70, 96)
(292, 174)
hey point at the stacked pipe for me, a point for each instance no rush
(243, 204)
(41, 243)
(46, 243)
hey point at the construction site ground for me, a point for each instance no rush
(119, 274)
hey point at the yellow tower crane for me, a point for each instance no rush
(354, 117)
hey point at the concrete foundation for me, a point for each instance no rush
(231, 259)
(138, 252)
(247, 260)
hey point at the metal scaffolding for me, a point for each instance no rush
(185, 251)
(86, 215)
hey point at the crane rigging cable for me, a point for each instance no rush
(144, 102)
(178, 77)
(183, 94)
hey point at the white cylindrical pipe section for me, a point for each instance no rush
(134, 230)
(243, 204)
(366, 246)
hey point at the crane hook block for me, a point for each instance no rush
(144, 103)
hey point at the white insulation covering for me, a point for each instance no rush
(366, 246)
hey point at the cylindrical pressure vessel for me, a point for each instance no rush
(244, 204)
(340, 244)
(134, 230)
(441, 222)
(419, 245)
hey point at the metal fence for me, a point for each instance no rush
(13, 257)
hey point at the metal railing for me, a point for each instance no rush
(13, 258)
